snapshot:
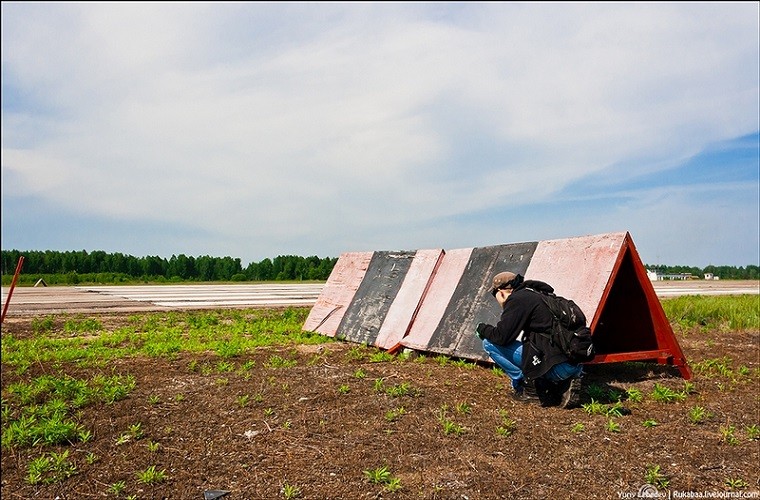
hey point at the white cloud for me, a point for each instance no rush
(347, 123)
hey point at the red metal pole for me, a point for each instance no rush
(13, 285)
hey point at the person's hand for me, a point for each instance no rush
(480, 329)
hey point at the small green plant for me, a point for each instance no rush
(442, 360)
(594, 408)
(655, 477)
(577, 427)
(395, 414)
(344, 389)
(276, 361)
(117, 488)
(508, 426)
(596, 392)
(753, 432)
(179, 398)
(357, 353)
(449, 426)
(664, 394)
(153, 446)
(736, 483)
(698, 414)
(464, 408)
(359, 373)
(634, 395)
(728, 435)
(399, 390)
(381, 357)
(136, 431)
(151, 475)
(612, 426)
(379, 385)
(290, 491)
(225, 366)
(383, 476)
(154, 399)
(378, 475)
(90, 458)
(123, 439)
(649, 423)
(243, 400)
(268, 412)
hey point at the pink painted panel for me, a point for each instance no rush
(437, 299)
(339, 290)
(408, 300)
(578, 268)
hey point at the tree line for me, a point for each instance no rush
(723, 272)
(73, 267)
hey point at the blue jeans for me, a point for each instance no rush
(509, 358)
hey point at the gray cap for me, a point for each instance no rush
(500, 281)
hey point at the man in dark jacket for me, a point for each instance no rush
(538, 369)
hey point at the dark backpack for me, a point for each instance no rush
(569, 331)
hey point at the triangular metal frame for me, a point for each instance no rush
(630, 323)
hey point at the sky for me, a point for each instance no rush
(254, 130)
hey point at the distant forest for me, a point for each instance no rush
(98, 267)
(75, 267)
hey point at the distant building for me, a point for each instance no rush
(656, 276)
(711, 276)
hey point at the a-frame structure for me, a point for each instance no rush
(431, 300)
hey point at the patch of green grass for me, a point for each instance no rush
(277, 361)
(709, 313)
(43, 410)
(50, 468)
(229, 333)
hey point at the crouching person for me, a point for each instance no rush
(539, 371)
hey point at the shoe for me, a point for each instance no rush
(525, 392)
(548, 392)
(572, 393)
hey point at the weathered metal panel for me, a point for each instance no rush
(578, 268)
(472, 303)
(372, 300)
(437, 298)
(339, 290)
(404, 308)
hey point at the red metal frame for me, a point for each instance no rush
(668, 352)
(13, 285)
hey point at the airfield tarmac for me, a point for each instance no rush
(82, 299)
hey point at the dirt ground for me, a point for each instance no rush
(317, 429)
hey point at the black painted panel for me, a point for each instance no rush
(365, 315)
(472, 302)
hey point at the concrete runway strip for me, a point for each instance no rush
(33, 301)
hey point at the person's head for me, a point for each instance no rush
(503, 284)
